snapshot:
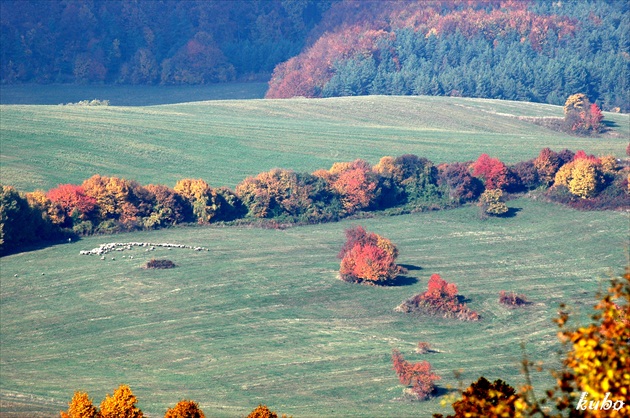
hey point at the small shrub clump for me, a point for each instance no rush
(441, 298)
(512, 300)
(368, 258)
(417, 375)
(423, 347)
(160, 264)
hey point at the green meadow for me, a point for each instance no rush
(261, 317)
(225, 141)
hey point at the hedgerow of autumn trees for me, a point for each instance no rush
(122, 404)
(103, 204)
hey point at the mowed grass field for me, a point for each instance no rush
(223, 142)
(262, 318)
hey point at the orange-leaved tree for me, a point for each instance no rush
(355, 182)
(440, 298)
(122, 404)
(262, 411)
(547, 164)
(185, 409)
(80, 406)
(72, 201)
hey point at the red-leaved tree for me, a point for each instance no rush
(367, 257)
(492, 171)
(73, 202)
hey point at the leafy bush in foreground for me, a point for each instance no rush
(121, 404)
(80, 406)
(185, 409)
(483, 399)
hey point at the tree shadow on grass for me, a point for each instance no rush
(410, 267)
(441, 391)
(609, 124)
(403, 281)
(511, 213)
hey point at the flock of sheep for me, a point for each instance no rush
(122, 246)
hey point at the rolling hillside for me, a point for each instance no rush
(225, 141)
(261, 317)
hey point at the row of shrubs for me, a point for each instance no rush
(122, 404)
(407, 183)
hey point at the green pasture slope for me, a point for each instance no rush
(225, 141)
(262, 318)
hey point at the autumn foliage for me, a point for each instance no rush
(72, 201)
(417, 375)
(491, 203)
(368, 258)
(368, 25)
(122, 404)
(185, 409)
(81, 406)
(492, 171)
(598, 357)
(407, 183)
(483, 399)
(581, 116)
(440, 298)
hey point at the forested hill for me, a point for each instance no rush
(150, 41)
(538, 50)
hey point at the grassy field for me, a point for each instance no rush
(225, 141)
(261, 317)
(127, 95)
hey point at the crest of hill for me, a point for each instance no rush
(224, 142)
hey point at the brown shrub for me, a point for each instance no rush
(512, 300)
(160, 264)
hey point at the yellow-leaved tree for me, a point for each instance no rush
(597, 365)
(122, 404)
(586, 178)
(201, 196)
(80, 406)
